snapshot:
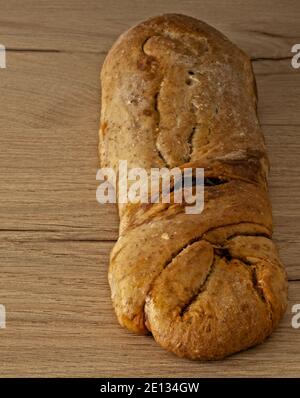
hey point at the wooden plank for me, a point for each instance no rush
(48, 186)
(54, 199)
(49, 90)
(264, 29)
(60, 322)
(49, 141)
(278, 104)
(63, 90)
(283, 146)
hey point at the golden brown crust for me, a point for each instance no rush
(176, 92)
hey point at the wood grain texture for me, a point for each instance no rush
(54, 237)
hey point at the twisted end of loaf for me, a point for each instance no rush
(206, 285)
(213, 301)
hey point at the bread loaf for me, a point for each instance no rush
(176, 92)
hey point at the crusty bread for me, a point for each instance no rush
(176, 92)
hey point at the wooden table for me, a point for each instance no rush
(55, 238)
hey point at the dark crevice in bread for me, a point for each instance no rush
(256, 285)
(185, 308)
(220, 251)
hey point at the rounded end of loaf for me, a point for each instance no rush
(211, 301)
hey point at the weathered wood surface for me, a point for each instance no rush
(54, 237)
